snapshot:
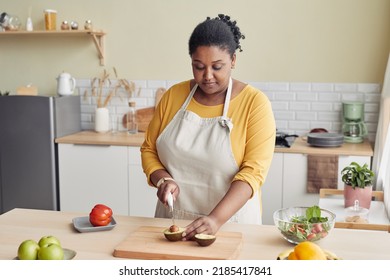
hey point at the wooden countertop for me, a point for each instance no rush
(300, 146)
(260, 242)
(89, 137)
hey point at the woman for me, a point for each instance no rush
(212, 138)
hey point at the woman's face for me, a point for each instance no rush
(211, 67)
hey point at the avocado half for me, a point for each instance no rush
(205, 239)
(175, 235)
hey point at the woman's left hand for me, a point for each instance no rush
(205, 225)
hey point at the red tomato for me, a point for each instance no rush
(100, 215)
(317, 228)
(311, 236)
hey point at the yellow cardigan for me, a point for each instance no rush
(252, 136)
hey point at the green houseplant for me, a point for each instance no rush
(358, 181)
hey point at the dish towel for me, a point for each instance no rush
(322, 172)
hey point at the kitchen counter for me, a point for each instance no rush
(259, 241)
(89, 137)
(300, 146)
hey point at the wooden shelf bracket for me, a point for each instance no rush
(98, 39)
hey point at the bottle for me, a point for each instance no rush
(29, 24)
(132, 125)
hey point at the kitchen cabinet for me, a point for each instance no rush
(91, 174)
(107, 174)
(142, 197)
(97, 37)
(286, 183)
(272, 189)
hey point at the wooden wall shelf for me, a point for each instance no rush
(97, 37)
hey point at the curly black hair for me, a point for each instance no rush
(220, 31)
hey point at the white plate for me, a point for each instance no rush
(68, 254)
(82, 224)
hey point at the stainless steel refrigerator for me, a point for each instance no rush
(28, 152)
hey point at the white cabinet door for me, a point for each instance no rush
(91, 174)
(142, 197)
(295, 182)
(295, 178)
(271, 191)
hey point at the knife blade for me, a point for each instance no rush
(170, 204)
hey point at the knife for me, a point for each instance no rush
(170, 204)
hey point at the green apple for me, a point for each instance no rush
(49, 239)
(28, 250)
(51, 252)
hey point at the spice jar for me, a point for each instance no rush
(74, 25)
(88, 25)
(65, 25)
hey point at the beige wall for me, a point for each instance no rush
(286, 40)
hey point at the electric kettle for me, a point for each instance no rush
(65, 84)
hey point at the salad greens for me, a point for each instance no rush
(313, 215)
(310, 227)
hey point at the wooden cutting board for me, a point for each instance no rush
(144, 116)
(149, 243)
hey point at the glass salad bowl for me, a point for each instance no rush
(298, 224)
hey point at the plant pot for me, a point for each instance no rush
(102, 120)
(364, 196)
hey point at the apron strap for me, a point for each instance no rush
(224, 121)
(227, 98)
(189, 97)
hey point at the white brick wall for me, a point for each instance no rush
(298, 107)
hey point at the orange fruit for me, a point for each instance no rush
(309, 251)
(292, 256)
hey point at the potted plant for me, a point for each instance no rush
(358, 181)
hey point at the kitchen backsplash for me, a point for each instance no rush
(298, 107)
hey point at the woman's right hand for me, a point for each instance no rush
(167, 187)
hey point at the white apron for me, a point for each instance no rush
(197, 153)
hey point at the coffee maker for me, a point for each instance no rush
(354, 129)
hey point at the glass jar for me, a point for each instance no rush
(132, 125)
(74, 25)
(9, 22)
(88, 25)
(4, 18)
(65, 25)
(356, 214)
